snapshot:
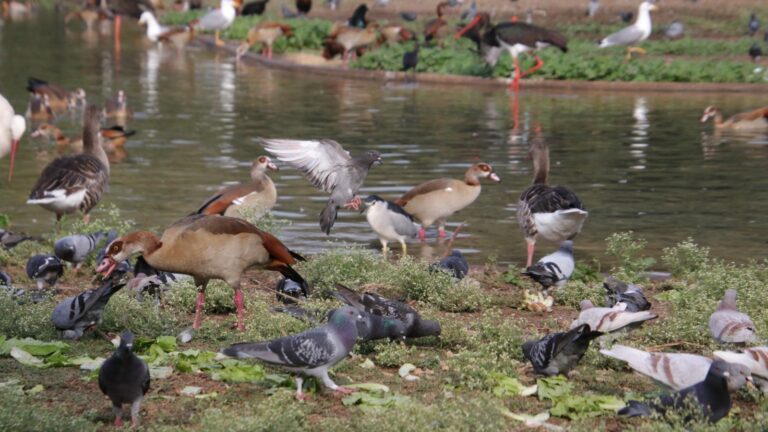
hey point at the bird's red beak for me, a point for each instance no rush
(106, 267)
(466, 28)
(14, 148)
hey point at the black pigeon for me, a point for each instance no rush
(9, 239)
(626, 16)
(455, 264)
(411, 59)
(711, 396)
(288, 290)
(375, 327)
(6, 280)
(754, 24)
(559, 353)
(73, 315)
(125, 379)
(254, 8)
(621, 292)
(408, 16)
(45, 269)
(375, 304)
(358, 17)
(755, 52)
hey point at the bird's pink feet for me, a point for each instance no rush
(354, 203)
(344, 390)
(302, 397)
(422, 234)
(441, 233)
(199, 310)
(240, 307)
(118, 422)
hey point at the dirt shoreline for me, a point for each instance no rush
(253, 58)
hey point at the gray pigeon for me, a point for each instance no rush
(375, 304)
(375, 327)
(592, 8)
(621, 292)
(289, 291)
(409, 16)
(455, 264)
(9, 239)
(287, 12)
(675, 370)
(728, 325)
(675, 30)
(6, 281)
(559, 353)
(607, 320)
(389, 221)
(755, 358)
(469, 14)
(124, 377)
(753, 25)
(309, 353)
(329, 168)
(45, 269)
(142, 285)
(76, 248)
(73, 315)
(711, 395)
(313, 317)
(554, 269)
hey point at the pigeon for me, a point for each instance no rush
(329, 168)
(621, 292)
(711, 395)
(554, 269)
(358, 17)
(309, 353)
(124, 377)
(45, 269)
(287, 12)
(167, 278)
(142, 285)
(389, 221)
(755, 358)
(470, 13)
(754, 24)
(607, 320)
(6, 280)
(9, 239)
(411, 59)
(592, 8)
(455, 264)
(675, 30)
(374, 327)
(728, 325)
(311, 316)
(254, 8)
(675, 370)
(76, 248)
(409, 16)
(559, 353)
(626, 16)
(288, 290)
(377, 305)
(755, 52)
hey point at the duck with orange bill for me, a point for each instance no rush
(266, 33)
(12, 127)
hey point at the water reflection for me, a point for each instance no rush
(639, 133)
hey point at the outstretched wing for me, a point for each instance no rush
(321, 161)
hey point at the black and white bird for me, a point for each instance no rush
(712, 396)
(622, 292)
(375, 304)
(358, 18)
(329, 168)
(124, 378)
(675, 370)
(76, 248)
(75, 314)
(411, 59)
(559, 353)
(289, 291)
(142, 285)
(455, 264)
(754, 24)
(755, 358)
(607, 320)
(554, 269)
(45, 269)
(728, 325)
(389, 221)
(310, 353)
(675, 30)
(592, 8)
(755, 52)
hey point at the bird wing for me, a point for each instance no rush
(323, 162)
(310, 349)
(626, 36)
(542, 198)
(213, 20)
(423, 189)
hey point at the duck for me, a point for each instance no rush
(12, 128)
(353, 38)
(259, 194)
(755, 119)
(117, 108)
(436, 28)
(436, 200)
(206, 247)
(73, 183)
(266, 33)
(180, 36)
(59, 98)
(112, 138)
(39, 108)
(552, 212)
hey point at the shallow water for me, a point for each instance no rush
(639, 161)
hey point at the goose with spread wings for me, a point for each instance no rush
(329, 168)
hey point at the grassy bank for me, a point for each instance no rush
(470, 378)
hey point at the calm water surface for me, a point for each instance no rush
(639, 162)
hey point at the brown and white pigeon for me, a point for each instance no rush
(124, 377)
(728, 325)
(675, 370)
(607, 320)
(755, 358)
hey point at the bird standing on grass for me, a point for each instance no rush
(559, 353)
(634, 34)
(753, 25)
(124, 377)
(411, 60)
(675, 370)
(12, 127)
(554, 269)
(755, 52)
(728, 325)
(45, 269)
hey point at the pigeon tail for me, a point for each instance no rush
(246, 350)
(635, 409)
(328, 217)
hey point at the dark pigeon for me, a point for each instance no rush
(375, 327)
(76, 248)
(469, 14)
(622, 292)
(711, 396)
(45, 269)
(289, 291)
(455, 264)
(411, 59)
(409, 16)
(254, 8)
(755, 52)
(554, 269)
(559, 353)
(329, 168)
(143, 267)
(754, 24)
(6, 281)
(309, 353)
(10, 240)
(358, 17)
(124, 377)
(73, 315)
(626, 16)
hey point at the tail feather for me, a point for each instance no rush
(296, 256)
(635, 409)
(624, 353)
(541, 274)
(293, 275)
(347, 296)
(246, 350)
(328, 217)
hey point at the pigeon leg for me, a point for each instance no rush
(118, 411)
(240, 307)
(323, 375)
(531, 247)
(199, 306)
(539, 64)
(422, 234)
(354, 203)
(135, 407)
(300, 395)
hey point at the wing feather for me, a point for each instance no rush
(319, 160)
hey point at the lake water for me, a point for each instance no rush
(639, 161)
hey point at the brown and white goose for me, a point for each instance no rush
(259, 194)
(266, 33)
(76, 182)
(754, 120)
(435, 200)
(118, 109)
(552, 212)
(59, 98)
(39, 108)
(112, 138)
(207, 247)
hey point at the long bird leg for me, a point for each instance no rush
(332, 385)
(116, 31)
(240, 308)
(217, 39)
(264, 51)
(531, 247)
(539, 64)
(270, 52)
(405, 248)
(441, 228)
(135, 407)
(515, 84)
(384, 248)
(118, 415)
(422, 234)
(199, 304)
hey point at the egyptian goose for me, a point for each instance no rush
(329, 168)
(259, 194)
(435, 200)
(217, 20)
(757, 119)
(266, 33)
(117, 108)
(39, 109)
(516, 38)
(352, 38)
(436, 28)
(76, 182)
(112, 138)
(12, 127)
(180, 36)
(58, 98)
(635, 33)
(389, 221)
(394, 34)
(207, 247)
(553, 212)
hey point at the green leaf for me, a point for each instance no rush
(578, 407)
(238, 372)
(508, 386)
(26, 358)
(167, 343)
(554, 388)
(5, 221)
(370, 387)
(33, 346)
